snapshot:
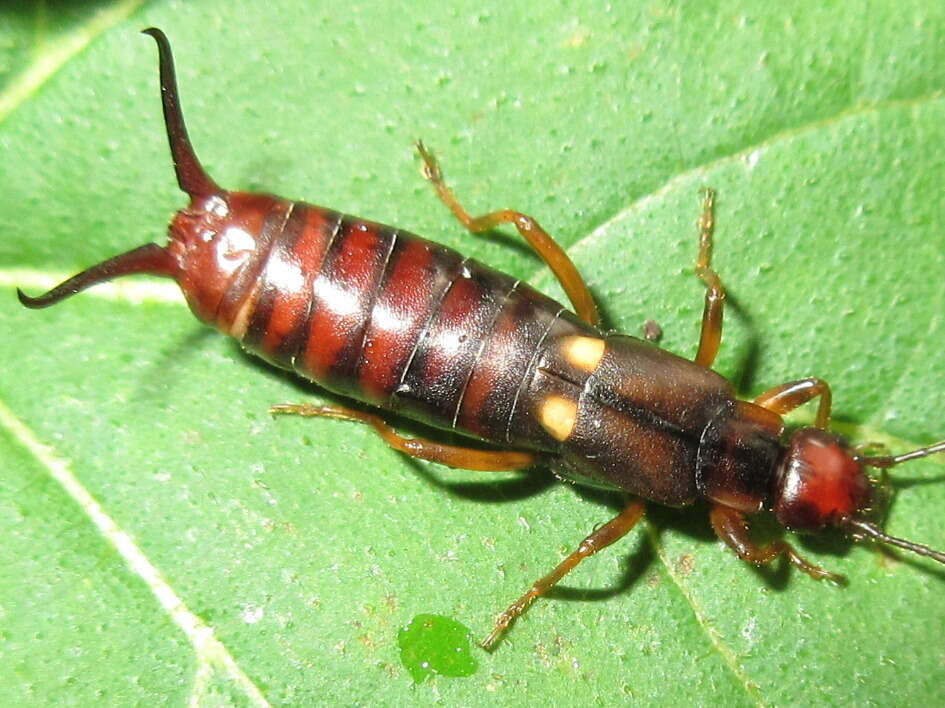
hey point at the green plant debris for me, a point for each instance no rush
(433, 645)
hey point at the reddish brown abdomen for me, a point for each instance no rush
(391, 319)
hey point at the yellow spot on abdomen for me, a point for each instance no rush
(558, 416)
(583, 352)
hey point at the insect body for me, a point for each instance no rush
(392, 320)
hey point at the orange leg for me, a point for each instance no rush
(788, 396)
(450, 455)
(612, 531)
(731, 526)
(711, 335)
(545, 246)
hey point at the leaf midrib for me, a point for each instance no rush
(209, 650)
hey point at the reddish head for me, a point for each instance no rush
(822, 482)
(819, 482)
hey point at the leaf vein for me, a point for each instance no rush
(47, 63)
(690, 174)
(209, 650)
(728, 655)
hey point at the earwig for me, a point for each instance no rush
(408, 326)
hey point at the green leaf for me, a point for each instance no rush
(165, 540)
